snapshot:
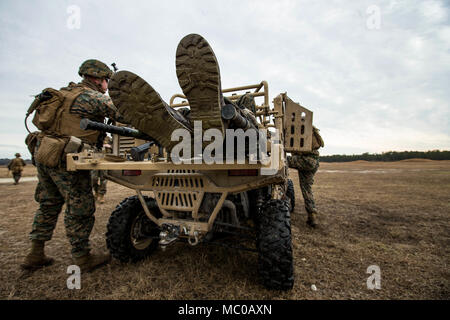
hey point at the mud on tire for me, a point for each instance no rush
(124, 237)
(274, 244)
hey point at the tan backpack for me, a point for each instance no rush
(49, 107)
(16, 165)
(317, 141)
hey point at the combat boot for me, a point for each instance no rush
(143, 108)
(36, 259)
(199, 77)
(312, 219)
(101, 198)
(90, 262)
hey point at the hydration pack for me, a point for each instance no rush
(48, 107)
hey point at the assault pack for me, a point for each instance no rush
(317, 139)
(49, 106)
(16, 165)
(60, 130)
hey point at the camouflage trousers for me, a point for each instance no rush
(99, 181)
(307, 166)
(57, 186)
(17, 176)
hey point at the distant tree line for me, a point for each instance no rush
(5, 161)
(385, 156)
(389, 156)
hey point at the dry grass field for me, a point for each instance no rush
(29, 171)
(394, 215)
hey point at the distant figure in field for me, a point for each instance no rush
(16, 167)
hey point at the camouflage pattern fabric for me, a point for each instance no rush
(244, 105)
(99, 181)
(57, 186)
(247, 101)
(307, 165)
(94, 105)
(95, 68)
(248, 108)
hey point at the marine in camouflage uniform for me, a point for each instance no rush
(58, 186)
(245, 104)
(16, 167)
(307, 164)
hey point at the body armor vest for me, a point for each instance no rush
(68, 124)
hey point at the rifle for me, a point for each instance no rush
(137, 153)
(87, 124)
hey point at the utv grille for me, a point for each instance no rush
(182, 201)
(179, 190)
(187, 182)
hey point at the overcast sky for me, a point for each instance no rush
(375, 73)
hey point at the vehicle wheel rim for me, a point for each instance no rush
(138, 243)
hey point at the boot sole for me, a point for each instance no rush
(142, 107)
(199, 78)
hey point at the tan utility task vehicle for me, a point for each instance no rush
(241, 205)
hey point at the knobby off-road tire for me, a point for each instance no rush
(290, 193)
(274, 244)
(127, 216)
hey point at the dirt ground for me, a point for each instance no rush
(393, 215)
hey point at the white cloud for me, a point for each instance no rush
(434, 11)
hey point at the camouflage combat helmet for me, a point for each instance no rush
(17, 154)
(95, 68)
